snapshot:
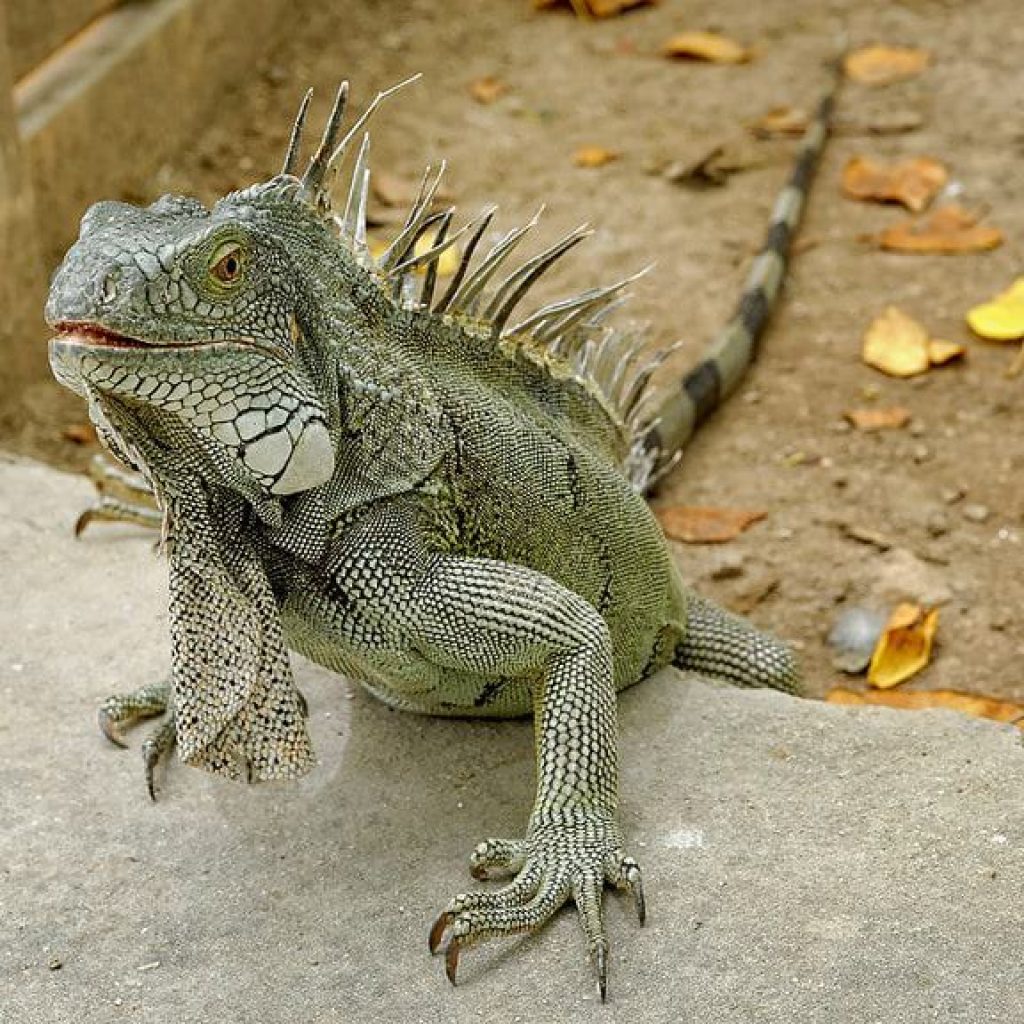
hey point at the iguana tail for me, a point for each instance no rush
(729, 355)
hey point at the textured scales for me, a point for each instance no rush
(430, 490)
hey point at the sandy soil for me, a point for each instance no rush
(781, 444)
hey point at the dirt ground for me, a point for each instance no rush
(942, 498)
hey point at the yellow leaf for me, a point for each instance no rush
(707, 46)
(789, 121)
(696, 524)
(905, 646)
(447, 262)
(594, 156)
(896, 345)
(914, 182)
(941, 352)
(917, 700)
(1002, 319)
(948, 229)
(880, 65)
(878, 419)
(487, 89)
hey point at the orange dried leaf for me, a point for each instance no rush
(896, 344)
(707, 46)
(941, 352)
(878, 419)
(880, 65)
(914, 183)
(593, 8)
(787, 121)
(487, 89)
(905, 646)
(594, 156)
(950, 700)
(698, 524)
(948, 229)
(79, 433)
(1001, 319)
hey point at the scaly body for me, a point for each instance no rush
(421, 493)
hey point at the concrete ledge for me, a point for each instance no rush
(804, 863)
(103, 112)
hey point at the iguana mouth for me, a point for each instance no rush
(93, 336)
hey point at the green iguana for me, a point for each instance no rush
(435, 495)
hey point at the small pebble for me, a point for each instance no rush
(976, 513)
(917, 429)
(951, 495)
(730, 568)
(922, 453)
(55, 963)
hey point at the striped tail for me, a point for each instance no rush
(730, 354)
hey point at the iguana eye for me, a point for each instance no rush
(226, 263)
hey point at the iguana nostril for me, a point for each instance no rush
(108, 287)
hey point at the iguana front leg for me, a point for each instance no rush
(498, 620)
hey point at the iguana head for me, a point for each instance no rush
(184, 327)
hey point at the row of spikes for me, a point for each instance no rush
(569, 331)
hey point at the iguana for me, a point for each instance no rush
(425, 491)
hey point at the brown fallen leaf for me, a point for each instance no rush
(881, 65)
(919, 700)
(790, 122)
(905, 646)
(941, 352)
(79, 433)
(594, 156)
(593, 8)
(1002, 318)
(896, 344)
(699, 524)
(878, 419)
(707, 46)
(914, 183)
(487, 89)
(394, 190)
(948, 229)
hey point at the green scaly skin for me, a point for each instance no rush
(408, 491)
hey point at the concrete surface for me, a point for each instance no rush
(38, 27)
(804, 863)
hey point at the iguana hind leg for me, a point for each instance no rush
(720, 644)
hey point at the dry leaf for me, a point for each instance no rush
(941, 352)
(905, 646)
(948, 229)
(707, 46)
(878, 419)
(880, 65)
(696, 524)
(79, 433)
(447, 262)
(950, 700)
(914, 183)
(593, 8)
(1001, 319)
(487, 89)
(896, 345)
(785, 121)
(594, 156)
(394, 190)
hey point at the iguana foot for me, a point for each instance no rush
(127, 709)
(122, 496)
(567, 855)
